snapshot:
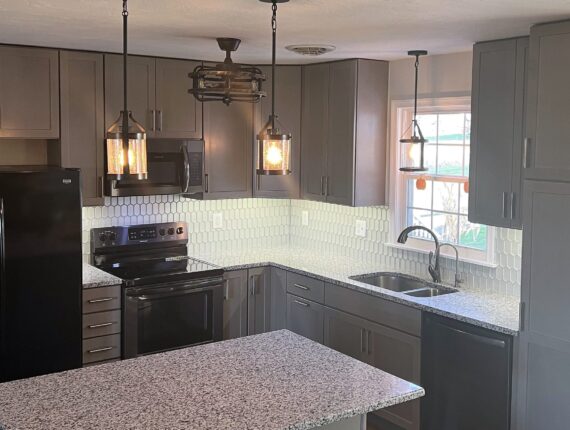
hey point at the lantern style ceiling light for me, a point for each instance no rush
(410, 145)
(126, 138)
(227, 82)
(274, 144)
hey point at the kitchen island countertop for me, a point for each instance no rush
(276, 380)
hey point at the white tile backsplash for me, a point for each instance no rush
(265, 223)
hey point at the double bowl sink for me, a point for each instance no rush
(404, 284)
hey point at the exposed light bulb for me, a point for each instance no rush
(274, 155)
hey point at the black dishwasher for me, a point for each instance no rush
(466, 372)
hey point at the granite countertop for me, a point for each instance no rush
(93, 277)
(276, 380)
(492, 311)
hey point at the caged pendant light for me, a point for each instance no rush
(274, 144)
(411, 144)
(126, 138)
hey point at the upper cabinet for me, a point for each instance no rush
(288, 108)
(344, 110)
(83, 120)
(497, 132)
(548, 127)
(29, 93)
(157, 96)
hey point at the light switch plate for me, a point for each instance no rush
(218, 220)
(360, 228)
(304, 217)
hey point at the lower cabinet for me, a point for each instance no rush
(235, 304)
(258, 300)
(278, 301)
(305, 317)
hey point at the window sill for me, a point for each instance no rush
(443, 255)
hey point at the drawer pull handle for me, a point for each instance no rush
(94, 351)
(100, 325)
(302, 287)
(302, 303)
(105, 299)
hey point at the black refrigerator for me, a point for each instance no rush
(40, 271)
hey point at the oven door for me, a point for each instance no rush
(171, 316)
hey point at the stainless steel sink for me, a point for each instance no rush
(430, 292)
(391, 281)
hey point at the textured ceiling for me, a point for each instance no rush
(383, 29)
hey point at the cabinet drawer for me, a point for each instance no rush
(101, 348)
(304, 286)
(375, 309)
(101, 299)
(101, 324)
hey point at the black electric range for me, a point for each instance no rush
(170, 300)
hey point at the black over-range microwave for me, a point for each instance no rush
(174, 167)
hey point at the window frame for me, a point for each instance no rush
(400, 112)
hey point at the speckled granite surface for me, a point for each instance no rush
(276, 380)
(495, 312)
(93, 277)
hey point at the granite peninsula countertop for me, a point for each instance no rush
(276, 380)
(492, 311)
(93, 277)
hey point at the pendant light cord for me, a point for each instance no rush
(125, 112)
(274, 47)
(417, 66)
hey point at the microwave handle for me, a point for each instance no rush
(186, 177)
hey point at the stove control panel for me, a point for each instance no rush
(138, 234)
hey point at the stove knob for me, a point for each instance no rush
(179, 230)
(112, 236)
(162, 232)
(102, 237)
(171, 231)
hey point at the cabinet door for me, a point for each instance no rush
(83, 121)
(178, 113)
(314, 130)
(259, 300)
(305, 318)
(548, 128)
(543, 381)
(228, 134)
(339, 183)
(278, 300)
(288, 108)
(345, 333)
(497, 132)
(398, 354)
(29, 93)
(141, 90)
(235, 304)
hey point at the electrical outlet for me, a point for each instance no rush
(218, 220)
(304, 217)
(360, 228)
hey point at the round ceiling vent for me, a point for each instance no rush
(311, 50)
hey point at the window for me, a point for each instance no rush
(438, 199)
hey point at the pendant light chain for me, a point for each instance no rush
(417, 66)
(125, 105)
(273, 60)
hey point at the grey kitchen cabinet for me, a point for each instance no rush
(259, 300)
(547, 154)
(83, 120)
(278, 306)
(29, 93)
(344, 126)
(178, 113)
(288, 109)
(228, 136)
(543, 371)
(305, 318)
(497, 132)
(235, 304)
(157, 96)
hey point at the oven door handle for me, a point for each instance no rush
(186, 176)
(180, 292)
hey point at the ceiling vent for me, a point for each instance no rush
(311, 50)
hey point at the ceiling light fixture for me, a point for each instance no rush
(311, 50)
(417, 137)
(126, 138)
(228, 81)
(274, 144)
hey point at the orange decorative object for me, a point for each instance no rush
(466, 187)
(421, 183)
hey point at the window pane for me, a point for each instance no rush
(445, 226)
(419, 217)
(450, 160)
(419, 198)
(429, 157)
(445, 196)
(428, 125)
(467, 128)
(451, 128)
(472, 235)
(463, 200)
(467, 155)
